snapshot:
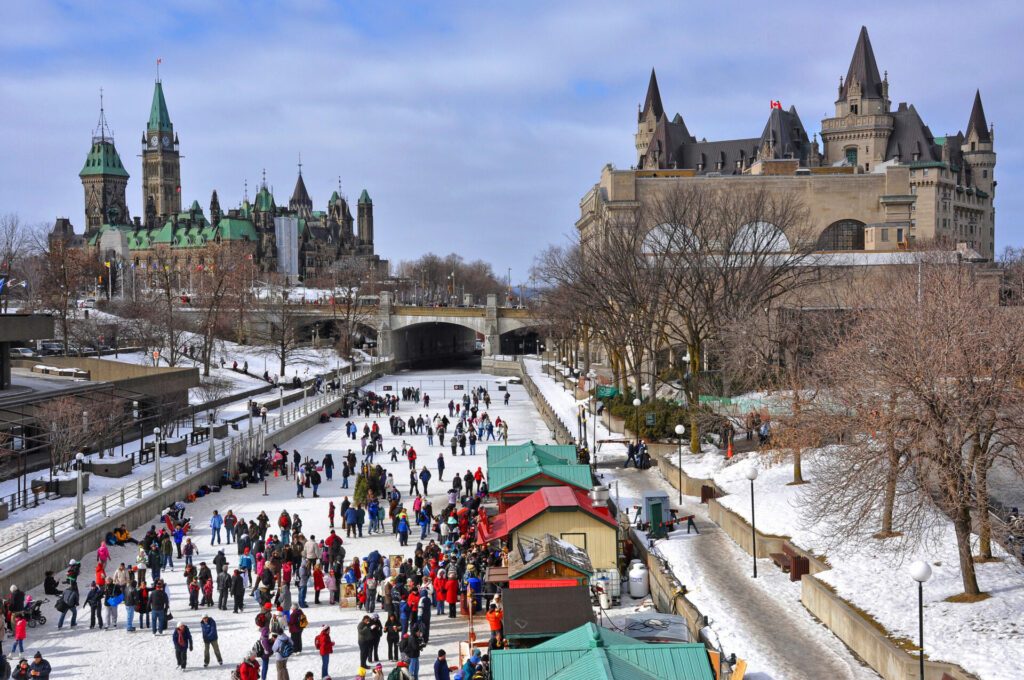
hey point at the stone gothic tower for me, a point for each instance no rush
(104, 180)
(365, 222)
(859, 133)
(161, 163)
(648, 118)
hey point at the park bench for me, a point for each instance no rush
(792, 563)
(197, 435)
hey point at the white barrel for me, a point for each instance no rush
(639, 581)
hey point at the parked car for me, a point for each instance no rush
(23, 353)
(49, 348)
(88, 303)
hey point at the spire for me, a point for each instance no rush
(977, 121)
(159, 119)
(863, 69)
(364, 198)
(653, 99)
(102, 132)
(300, 197)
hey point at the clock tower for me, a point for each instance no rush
(161, 164)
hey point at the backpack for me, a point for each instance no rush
(261, 620)
(286, 648)
(303, 621)
(257, 651)
(395, 674)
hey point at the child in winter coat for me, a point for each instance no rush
(20, 633)
(208, 593)
(193, 595)
(103, 554)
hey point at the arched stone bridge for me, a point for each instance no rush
(412, 333)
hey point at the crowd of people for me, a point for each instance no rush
(271, 568)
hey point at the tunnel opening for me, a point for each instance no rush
(520, 341)
(437, 345)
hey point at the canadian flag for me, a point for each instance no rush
(776, 104)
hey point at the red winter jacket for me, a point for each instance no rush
(249, 671)
(451, 591)
(323, 643)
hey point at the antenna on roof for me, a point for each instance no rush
(264, 178)
(300, 164)
(245, 189)
(158, 60)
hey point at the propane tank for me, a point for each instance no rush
(639, 581)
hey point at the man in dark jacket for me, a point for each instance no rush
(94, 598)
(411, 645)
(70, 599)
(39, 668)
(209, 627)
(441, 670)
(181, 638)
(364, 636)
(238, 591)
(158, 604)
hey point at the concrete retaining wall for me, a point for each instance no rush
(666, 591)
(503, 367)
(858, 633)
(561, 433)
(31, 571)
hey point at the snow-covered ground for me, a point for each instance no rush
(762, 620)
(116, 655)
(985, 638)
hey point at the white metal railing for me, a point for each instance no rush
(238, 445)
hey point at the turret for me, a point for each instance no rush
(161, 163)
(365, 221)
(104, 180)
(648, 117)
(214, 209)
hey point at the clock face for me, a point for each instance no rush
(154, 141)
(167, 142)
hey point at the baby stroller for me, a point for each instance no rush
(35, 613)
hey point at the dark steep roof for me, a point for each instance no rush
(977, 121)
(545, 612)
(863, 69)
(300, 197)
(785, 133)
(911, 136)
(653, 99)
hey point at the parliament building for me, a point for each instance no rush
(876, 180)
(323, 239)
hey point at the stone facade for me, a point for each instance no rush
(881, 180)
(326, 238)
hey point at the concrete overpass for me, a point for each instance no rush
(412, 334)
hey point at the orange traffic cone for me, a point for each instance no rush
(728, 450)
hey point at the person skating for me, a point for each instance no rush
(181, 638)
(158, 605)
(216, 522)
(238, 591)
(325, 646)
(94, 600)
(297, 623)
(441, 670)
(209, 628)
(282, 649)
(69, 598)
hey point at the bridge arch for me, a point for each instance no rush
(434, 342)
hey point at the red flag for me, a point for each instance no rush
(776, 104)
(159, 60)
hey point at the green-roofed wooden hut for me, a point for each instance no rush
(514, 472)
(590, 652)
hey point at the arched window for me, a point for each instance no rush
(842, 235)
(668, 238)
(760, 237)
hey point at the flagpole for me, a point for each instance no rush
(110, 294)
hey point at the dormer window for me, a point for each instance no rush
(853, 109)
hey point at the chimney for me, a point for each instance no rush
(599, 496)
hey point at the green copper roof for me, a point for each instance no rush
(592, 653)
(103, 160)
(159, 119)
(264, 200)
(505, 477)
(334, 197)
(195, 206)
(246, 209)
(364, 197)
(529, 453)
(233, 229)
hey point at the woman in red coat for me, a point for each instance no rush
(318, 583)
(451, 595)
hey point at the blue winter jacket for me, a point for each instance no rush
(209, 630)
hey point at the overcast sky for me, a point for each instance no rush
(476, 127)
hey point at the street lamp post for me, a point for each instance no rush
(751, 474)
(592, 375)
(920, 571)
(280, 408)
(80, 504)
(85, 428)
(158, 480)
(213, 444)
(636, 416)
(565, 364)
(679, 463)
